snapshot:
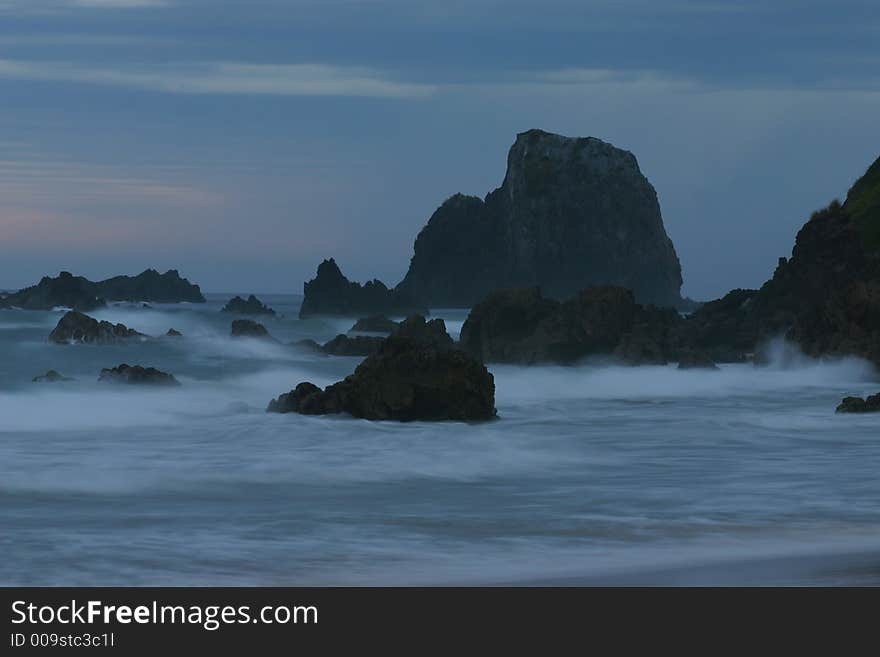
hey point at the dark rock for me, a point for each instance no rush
(173, 334)
(248, 328)
(69, 291)
(77, 327)
(308, 344)
(859, 405)
(696, 360)
(331, 293)
(65, 291)
(137, 375)
(427, 333)
(570, 213)
(406, 380)
(152, 286)
(51, 377)
(360, 345)
(253, 306)
(375, 324)
(521, 326)
(293, 401)
(825, 298)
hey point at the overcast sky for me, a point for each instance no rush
(242, 141)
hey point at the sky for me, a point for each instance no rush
(241, 142)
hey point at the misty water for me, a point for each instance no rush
(591, 474)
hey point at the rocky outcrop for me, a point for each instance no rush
(825, 298)
(251, 306)
(69, 291)
(173, 333)
(76, 327)
(248, 328)
(374, 324)
(522, 326)
(860, 405)
(151, 286)
(415, 376)
(65, 291)
(359, 345)
(51, 376)
(331, 293)
(570, 213)
(696, 360)
(137, 375)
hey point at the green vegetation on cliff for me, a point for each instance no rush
(863, 205)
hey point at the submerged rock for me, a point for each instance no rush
(859, 405)
(374, 324)
(77, 327)
(252, 306)
(51, 376)
(408, 379)
(248, 328)
(571, 213)
(331, 293)
(137, 375)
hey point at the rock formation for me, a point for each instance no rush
(374, 324)
(522, 326)
(859, 405)
(416, 375)
(570, 213)
(359, 345)
(825, 298)
(77, 327)
(251, 306)
(137, 375)
(81, 294)
(173, 333)
(248, 328)
(52, 376)
(331, 293)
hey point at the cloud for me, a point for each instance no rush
(226, 78)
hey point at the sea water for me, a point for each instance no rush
(591, 474)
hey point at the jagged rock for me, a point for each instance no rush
(65, 291)
(359, 345)
(859, 405)
(137, 375)
(825, 298)
(248, 328)
(51, 376)
(77, 327)
(696, 360)
(521, 326)
(374, 324)
(570, 213)
(308, 345)
(173, 334)
(408, 379)
(152, 286)
(253, 306)
(69, 291)
(331, 293)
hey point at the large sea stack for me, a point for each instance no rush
(571, 212)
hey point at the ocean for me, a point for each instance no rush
(592, 474)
